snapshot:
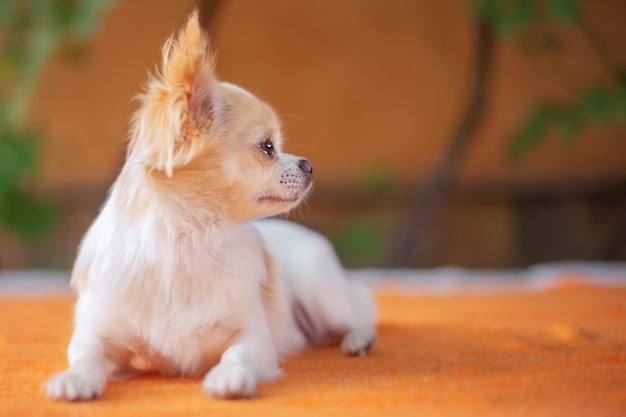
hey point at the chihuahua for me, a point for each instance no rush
(177, 274)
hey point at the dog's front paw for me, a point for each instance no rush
(358, 342)
(229, 381)
(74, 385)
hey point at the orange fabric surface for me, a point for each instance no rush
(556, 353)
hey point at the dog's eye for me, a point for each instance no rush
(267, 147)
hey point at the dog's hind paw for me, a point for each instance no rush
(358, 342)
(73, 385)
(227, 381)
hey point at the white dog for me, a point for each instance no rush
(172, 276)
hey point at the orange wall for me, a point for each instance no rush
(358, 83)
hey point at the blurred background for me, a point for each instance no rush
(475, 133)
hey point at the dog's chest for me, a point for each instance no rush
(179, 304)
(183, 325)
(178, 352)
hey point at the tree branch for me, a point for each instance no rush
(427, 203)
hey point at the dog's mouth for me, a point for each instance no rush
(276, 199)
(293, 197)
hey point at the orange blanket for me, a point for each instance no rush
(560, 352)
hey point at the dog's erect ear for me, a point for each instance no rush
(178, 104)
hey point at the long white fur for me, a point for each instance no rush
(173, 277)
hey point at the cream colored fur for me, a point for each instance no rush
(175, 276)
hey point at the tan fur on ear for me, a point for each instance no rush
(177, 105)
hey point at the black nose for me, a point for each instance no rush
(306, 166)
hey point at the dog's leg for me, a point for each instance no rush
(250, 360)
(334, 306)
(337, 310)
(90, 368)
(88, 372)
(328, 307)
(361, 333)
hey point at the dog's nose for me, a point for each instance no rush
(306, 166)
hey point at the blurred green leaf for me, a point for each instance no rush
(360, 240)
(531, 132)
(5, 12)
(506, 15)
(63, 13)
(619, 102)
(30, 31)
(596, 104)
(570, 122)
(30, 217)
(486, 10)
(523, 13)
(11, 53)
(87, 15)
(564, 10)
(378, 177)
(18, 157)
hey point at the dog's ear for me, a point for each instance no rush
(178, 104)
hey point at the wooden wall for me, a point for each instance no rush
(361, 85)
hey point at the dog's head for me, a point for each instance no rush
(212, 142)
